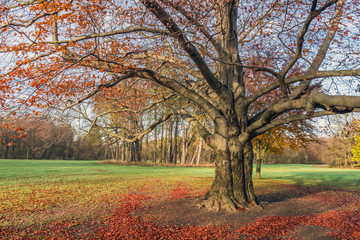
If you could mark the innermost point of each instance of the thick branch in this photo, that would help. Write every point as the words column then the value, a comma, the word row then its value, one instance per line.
column 112, row 33
column 305, row 77
column 189, row 48
column 287, row 120
column 177, row 87
column 142, row 73
column 330, row 103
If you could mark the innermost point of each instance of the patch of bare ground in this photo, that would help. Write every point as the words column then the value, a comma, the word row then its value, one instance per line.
column 296, row 202
column 185, row 211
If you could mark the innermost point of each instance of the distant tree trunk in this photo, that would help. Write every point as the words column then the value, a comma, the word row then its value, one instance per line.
column 170, row 142
column 13, row 150
column 123, row 154
column 105, row 152
column 258, row 167
column 155, row 137
column 128, row 152
column 155, row 145
column 199, row 152
column 112, row 153
column 166, row 139
column 186, row 140
column 185, row 148
column 175, row 140
column 134, row 152
column 137, row 149
column 117, row 150
column 6, row 153
column 146, row 148
column 77, row 150
column 162, row 142
column 194, row 156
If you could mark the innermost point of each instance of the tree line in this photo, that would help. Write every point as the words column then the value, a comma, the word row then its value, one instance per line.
column 174, row 142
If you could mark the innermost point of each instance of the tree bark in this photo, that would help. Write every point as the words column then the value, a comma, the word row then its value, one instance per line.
column 175, row 150
column 155, row 138
column 232, row 188
column 123, row 154
column 199, row 152
column 185, row 145
column 258, row 168
column 169, row 140
column 162, row 142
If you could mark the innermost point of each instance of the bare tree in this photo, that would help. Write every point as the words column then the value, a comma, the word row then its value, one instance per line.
column 200, row 51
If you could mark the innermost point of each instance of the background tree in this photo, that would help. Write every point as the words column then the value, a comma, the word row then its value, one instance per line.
column 356, row 148
column 42, row 139
column 337, row 148
column 292, row 136
column 65, row 53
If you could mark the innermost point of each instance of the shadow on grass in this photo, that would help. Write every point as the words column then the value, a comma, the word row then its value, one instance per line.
column 297, row 191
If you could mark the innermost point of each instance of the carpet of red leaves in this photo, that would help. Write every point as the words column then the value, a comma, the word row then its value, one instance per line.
column 122, row 224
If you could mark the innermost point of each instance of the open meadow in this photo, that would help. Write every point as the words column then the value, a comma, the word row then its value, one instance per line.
column 89, row 200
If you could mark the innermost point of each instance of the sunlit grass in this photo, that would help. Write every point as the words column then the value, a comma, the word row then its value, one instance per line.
column 29, row 187
column 313, row 175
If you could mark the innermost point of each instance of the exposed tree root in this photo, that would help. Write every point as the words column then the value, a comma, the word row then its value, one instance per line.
column 228, row 205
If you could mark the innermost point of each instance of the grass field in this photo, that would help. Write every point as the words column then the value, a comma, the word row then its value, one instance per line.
column 80, row 199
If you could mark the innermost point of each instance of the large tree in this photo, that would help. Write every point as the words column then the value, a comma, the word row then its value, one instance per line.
column 65, row 52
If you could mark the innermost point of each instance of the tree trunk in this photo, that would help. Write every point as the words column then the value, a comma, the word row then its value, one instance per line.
column 258, row 168
column 146, row 148
column 194, row 156
column 162, row 143
column 175, row 150
column 134, row 152
column 123, row 153
column 232, row 188
column 137, row 151
column 117, row 144
column 199, row 152
column 185, row 145
column 155, row 138
column 155, row 146
column 169, row 153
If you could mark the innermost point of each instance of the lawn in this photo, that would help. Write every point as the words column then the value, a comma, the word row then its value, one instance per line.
column 89, row 200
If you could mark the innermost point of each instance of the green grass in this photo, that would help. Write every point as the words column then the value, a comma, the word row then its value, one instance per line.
column 313, row 175
column 45, row 191
column 41, row 171
column 28, row 186
column 34, row 171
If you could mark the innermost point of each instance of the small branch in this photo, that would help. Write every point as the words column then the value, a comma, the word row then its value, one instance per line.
column 100, row 87
column 321, row 54
column 112, row 33
column 200, row 129
column 201, row 27
column 300, row 42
